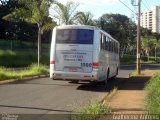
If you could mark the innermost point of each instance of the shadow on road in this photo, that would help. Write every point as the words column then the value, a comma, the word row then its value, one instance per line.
column 112, row 83
column 132, row 83
column 44, row 84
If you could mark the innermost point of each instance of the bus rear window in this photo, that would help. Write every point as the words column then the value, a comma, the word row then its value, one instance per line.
column 74, row 36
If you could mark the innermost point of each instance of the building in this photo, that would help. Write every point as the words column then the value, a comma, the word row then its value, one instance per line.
column 151, row 19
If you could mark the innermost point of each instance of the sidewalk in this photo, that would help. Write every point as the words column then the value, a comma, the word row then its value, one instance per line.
column 130, row 95
column 128, row 102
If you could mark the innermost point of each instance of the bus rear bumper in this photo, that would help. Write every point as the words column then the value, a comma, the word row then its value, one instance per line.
column 74, row 76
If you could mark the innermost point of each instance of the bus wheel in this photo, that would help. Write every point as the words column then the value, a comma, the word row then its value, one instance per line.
column 106, row 80
column 105, row 84
column 117, row 71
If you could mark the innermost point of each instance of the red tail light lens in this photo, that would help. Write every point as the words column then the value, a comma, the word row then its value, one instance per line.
column 52, row 62
column 95, row 64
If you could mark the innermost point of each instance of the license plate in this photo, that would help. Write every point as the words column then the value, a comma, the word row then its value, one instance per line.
column 72, row 69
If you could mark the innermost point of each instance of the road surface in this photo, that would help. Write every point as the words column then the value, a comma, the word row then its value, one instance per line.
column 45, row 96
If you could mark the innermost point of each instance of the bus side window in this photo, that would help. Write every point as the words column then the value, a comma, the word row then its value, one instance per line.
column 107, row 43
column 111, row 46
column 116, row 48
column 101, row 41
column 104, row 42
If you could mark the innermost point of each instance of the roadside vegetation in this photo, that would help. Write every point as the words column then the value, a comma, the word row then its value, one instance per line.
column 91, row 112
column 33, row 70
column 152, row 89
column 152, row 99
column 10, row 58
column 145, row 72
column 131, row 59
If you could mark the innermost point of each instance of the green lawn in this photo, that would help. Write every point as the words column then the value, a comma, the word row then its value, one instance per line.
column 6, row 74
column 20, row 58
column 14, row 53
column 130, row 59
column 93, row 111
column 152, row 100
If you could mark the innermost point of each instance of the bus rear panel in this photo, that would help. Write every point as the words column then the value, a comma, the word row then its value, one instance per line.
column 72, row 53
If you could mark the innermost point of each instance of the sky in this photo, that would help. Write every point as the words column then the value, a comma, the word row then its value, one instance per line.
column 100, row 7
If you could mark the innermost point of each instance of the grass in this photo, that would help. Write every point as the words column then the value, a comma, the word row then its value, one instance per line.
column 33, row 70
column 20, row 58
column 131, row 59
column 91, row 112
column 134, row 73
column 20, row 45
column 152, row 100
column 145, row 72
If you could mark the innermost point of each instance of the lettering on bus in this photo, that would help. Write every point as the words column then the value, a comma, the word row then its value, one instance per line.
column 86, row 64
column 73, row 56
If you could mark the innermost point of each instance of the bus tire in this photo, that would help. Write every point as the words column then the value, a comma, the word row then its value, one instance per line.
column 106, row 80
column 117, row 71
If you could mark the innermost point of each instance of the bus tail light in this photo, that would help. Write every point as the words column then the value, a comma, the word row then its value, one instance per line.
column 52, row 62
column 95, row 65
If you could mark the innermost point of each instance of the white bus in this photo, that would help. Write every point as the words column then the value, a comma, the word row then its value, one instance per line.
column 83, row 53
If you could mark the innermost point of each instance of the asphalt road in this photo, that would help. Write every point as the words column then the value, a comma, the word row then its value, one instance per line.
column 46, row 96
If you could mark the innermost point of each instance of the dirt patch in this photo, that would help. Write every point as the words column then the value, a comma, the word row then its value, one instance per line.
column 150, row 72
column 129, row 98
column 126, row 101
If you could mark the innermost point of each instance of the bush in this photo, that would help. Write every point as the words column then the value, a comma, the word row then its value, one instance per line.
column 91, row 112
column 33, row 70
column 20, row 58
column 152, row 100
column 131, row 59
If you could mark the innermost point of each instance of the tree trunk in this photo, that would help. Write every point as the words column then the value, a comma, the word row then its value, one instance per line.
column 39, row 44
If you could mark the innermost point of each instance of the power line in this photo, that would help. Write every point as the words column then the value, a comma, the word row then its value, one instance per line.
column 128, row 7
column 145, row 5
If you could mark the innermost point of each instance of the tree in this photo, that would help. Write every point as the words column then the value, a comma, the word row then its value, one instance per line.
column 156, row 36
column 119, row 26
column 65, row 13
column 148, row 45
column 84, row 18
column 36, row 12
column 3, row 2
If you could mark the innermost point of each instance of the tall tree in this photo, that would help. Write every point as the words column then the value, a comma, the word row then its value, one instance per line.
column 65, row 13
column 118, row 26
column 34, row 11
column 84, row 18
column 3, row 2
column 148, row 46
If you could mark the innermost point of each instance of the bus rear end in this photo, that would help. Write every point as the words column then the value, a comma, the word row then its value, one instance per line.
column 72, row 53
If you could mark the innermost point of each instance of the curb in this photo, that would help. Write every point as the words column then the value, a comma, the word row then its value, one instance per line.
column 24, row 78
column 109, row 96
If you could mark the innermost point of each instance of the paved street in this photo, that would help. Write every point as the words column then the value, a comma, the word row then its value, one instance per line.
column 45, row 96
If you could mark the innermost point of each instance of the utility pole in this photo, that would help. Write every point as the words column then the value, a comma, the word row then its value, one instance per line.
column 138, row 36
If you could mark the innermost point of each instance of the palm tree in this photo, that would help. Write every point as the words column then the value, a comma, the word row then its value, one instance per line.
column 84, row 18
column 65, row 13
column 36, row 12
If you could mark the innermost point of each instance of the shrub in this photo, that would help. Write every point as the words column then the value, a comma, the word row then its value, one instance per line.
column 92, row 111
column 32, row 71
column 152, row 100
